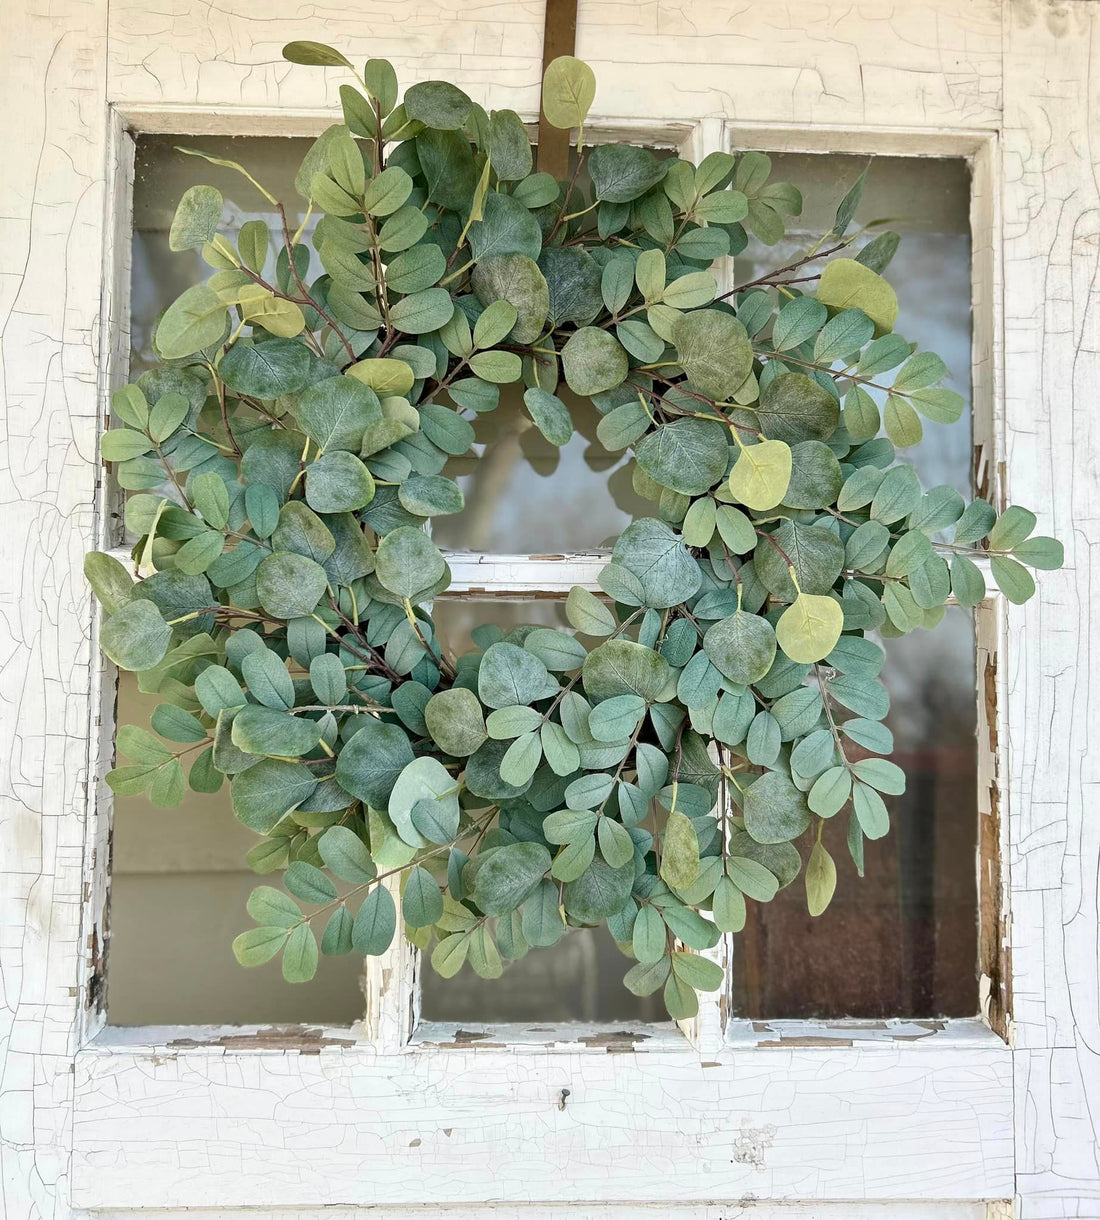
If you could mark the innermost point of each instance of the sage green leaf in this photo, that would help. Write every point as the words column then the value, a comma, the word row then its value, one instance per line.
column 593, row 361
column 375, row 924
column 820, row 880
column 680, row 855
column 196, row 220
column 589, row 791
column 290, row 585
column 976, row 521
column 315, row 54
column 809, row 628
column 509, row 875
column 623, row 426
column 515, row 278
column 196, row 319
column 266, row 731
column 431, row 496
column 793, row 407
column 455, row 721
column 336, row 938
column 698, row 973
column 268, row 680
column 346, row 855
column 798, row 321
column 690, row 291
column 815, row 553
column 510, row 675
column 506, row 227
column 135, row 637
column 407, row 562
column 714, row 351
column 447, row 163
column 622, row 667
column 621, row 173
column 761, row 475
column 113, row 585
column 557, row 650
column 573, row 280
column 307, row 882
column 844, row 334
column 334, row 413
column 1013, row 580
column 416, row 269
column 495, row 324
column 449, row 955
column 568, row 90
column 550, row 414
column 1047, row 554
column 688, row 455
column 509, row 148
column 871, row 812
column 258, row 945
column 775, row 811
column 403, row 229
column 649, row 938
column 847, row 284
column 371, row 761
column 422, row 311
column 830, row 792
column 521, row 758
column 388, row 192
column 657, row 557
column 587, row 613
column 741, row 647
column 338, row 482
column 615, row 719
column 816, row 477
column 599, row 892
column 265, row 370
column 438, row 104
column 268, row 791
column 422, row 901
column 647, row 977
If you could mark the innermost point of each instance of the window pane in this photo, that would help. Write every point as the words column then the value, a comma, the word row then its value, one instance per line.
column 526, row 496
column 901, row 941
column 161, row 175
column 179, row 884
column 927, row 201
column 581, row 977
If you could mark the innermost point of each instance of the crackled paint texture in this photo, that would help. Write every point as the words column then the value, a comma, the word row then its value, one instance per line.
column 911, row 1123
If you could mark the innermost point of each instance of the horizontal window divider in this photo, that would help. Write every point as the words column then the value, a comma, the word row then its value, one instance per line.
column 477, row 576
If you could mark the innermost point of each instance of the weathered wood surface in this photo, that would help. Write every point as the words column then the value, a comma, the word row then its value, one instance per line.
column 155, row 1127
column 1052, row 669
column 208, row 1127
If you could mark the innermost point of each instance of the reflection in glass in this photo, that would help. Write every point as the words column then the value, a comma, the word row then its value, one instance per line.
column 903, row 939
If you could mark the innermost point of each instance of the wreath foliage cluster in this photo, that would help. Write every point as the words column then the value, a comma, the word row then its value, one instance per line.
column 680, row 753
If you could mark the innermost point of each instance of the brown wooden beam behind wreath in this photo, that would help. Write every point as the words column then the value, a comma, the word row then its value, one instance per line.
column 559, row 38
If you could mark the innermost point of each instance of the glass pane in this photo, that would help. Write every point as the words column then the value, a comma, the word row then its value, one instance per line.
column 526, row 496
column 161, row 175
column 581, row 977
column 927, row 201
column 179, row 885
column 901, row 941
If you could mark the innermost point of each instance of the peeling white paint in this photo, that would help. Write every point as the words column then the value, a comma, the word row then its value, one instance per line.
column 765, row 1121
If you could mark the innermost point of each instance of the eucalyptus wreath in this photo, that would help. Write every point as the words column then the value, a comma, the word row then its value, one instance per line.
column 680, row 753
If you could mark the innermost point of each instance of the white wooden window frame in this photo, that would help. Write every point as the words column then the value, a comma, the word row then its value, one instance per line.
column 852, row 1119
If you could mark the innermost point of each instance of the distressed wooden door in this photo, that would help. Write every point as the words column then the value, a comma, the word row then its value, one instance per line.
column 966, row 1118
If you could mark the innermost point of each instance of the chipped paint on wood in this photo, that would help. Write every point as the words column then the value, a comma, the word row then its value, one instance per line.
column 1013, row 87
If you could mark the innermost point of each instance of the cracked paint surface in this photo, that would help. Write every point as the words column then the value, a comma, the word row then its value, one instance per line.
column 775, row 1115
